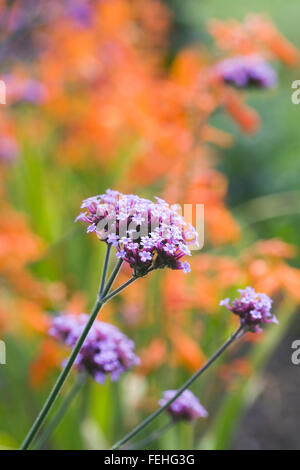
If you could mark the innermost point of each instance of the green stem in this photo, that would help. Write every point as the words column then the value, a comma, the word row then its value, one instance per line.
column 65, row 372
column 238, row 333
column 61, row 379
column 152, row 437
column 101, row 296
column 106, row 262
column 60, row 412
column 119, row 289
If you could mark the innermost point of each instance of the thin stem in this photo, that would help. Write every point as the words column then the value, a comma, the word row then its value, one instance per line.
column 119, row 289
column 65, row 372
column 152, row 437
column 238, row 333
column 110, row 281
column 105, row 266
column 61, row 379
column 60, row 412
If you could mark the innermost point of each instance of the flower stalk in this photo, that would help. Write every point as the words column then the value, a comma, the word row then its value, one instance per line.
column 105, row 267
column 61, row 411
column 65, row 372
column 238, row 334
column 153, row 436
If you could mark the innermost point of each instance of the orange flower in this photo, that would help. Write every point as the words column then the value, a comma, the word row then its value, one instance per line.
column 290, row 279
column 232, row 36
column 33, row 318
column 186, row 350
column 245, row 117
column 237, row 368
column 216, row 136
column 48, row 359
column 222, row 227
column 256, row 34
column 268, row 272
column 18, row 245
column 263, row 30
column 176, row 292
column 275, row 248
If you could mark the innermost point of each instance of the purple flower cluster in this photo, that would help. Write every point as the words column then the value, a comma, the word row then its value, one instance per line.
column 243, row 71
column 106, row 349
column 146, row 235
column 253, row 308
column 186, row 406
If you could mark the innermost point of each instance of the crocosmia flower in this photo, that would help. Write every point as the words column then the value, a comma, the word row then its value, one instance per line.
column 186, row 406
column 106, row 350
column 147, row 235
column 253, row 308
column 243, row 71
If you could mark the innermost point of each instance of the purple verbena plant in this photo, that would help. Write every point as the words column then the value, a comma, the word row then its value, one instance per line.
column 148, row 236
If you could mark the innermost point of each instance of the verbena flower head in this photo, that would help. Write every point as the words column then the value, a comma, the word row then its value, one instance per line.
column 185, row 407
column 243, row 71
column 147, row 235
column 253, row 308
column 106, row 350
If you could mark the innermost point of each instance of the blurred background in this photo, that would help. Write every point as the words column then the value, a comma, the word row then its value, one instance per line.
column 125, row 95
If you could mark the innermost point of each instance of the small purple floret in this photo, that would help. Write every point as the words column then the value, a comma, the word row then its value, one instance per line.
column 186, row 406
column 106, row 349
column 253, row 308
column 243, row 71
